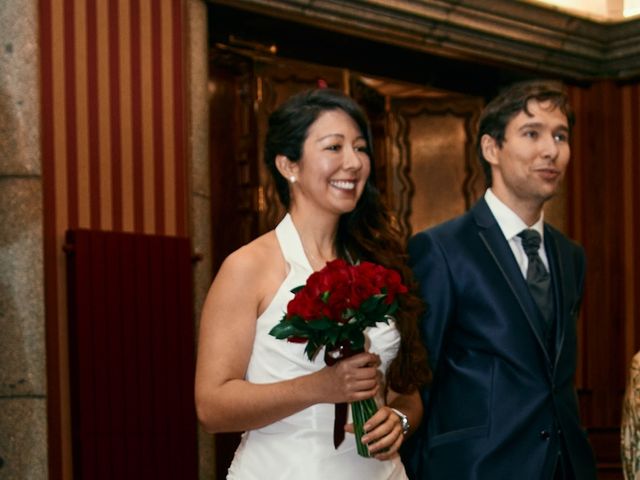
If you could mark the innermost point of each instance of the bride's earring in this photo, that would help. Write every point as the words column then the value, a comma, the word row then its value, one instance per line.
column 292, row 179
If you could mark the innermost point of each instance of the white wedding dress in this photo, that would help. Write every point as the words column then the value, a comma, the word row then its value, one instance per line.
column 301, row 446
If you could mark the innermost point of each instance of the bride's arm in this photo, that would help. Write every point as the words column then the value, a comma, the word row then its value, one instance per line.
column 225, row 401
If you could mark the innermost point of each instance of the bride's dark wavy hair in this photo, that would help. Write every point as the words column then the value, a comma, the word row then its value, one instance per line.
column 369, row 232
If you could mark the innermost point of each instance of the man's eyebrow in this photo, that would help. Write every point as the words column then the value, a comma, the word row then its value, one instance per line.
column 540, row 124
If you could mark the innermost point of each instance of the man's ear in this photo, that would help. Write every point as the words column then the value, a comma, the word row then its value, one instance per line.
column 489, row 149
column 286, row 167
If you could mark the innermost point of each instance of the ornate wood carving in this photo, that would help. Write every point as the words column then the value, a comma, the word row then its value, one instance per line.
column 418, row 126
column 515, row 33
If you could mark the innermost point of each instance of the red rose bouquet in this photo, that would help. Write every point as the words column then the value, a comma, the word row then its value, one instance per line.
column 332, row 310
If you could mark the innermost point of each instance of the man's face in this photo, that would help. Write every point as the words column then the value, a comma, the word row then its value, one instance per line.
column 529, row 166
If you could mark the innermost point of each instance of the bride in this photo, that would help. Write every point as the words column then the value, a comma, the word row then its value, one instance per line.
column 318, row 148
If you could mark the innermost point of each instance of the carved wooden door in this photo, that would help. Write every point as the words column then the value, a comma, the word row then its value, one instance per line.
column 245, row 89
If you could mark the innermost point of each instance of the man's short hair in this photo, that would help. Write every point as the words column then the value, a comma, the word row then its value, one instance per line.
column 513, row 100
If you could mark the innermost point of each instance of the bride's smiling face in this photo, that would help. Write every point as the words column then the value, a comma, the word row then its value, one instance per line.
column 335, row 165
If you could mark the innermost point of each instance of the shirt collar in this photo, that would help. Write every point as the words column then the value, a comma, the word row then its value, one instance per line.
column 510, row 223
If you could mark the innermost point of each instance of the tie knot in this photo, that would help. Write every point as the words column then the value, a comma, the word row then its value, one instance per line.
column 531, row 240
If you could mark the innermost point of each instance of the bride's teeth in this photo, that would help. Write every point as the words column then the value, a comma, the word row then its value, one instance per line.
column 344, row 184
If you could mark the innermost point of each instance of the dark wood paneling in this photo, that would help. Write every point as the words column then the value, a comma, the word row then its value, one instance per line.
column 234, row 177
column 602, row 193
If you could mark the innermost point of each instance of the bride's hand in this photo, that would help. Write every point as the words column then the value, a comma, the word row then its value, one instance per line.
column 352, row 379
column 383, row 434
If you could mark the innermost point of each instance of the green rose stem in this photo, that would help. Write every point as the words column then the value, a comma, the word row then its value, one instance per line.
column 362, row 411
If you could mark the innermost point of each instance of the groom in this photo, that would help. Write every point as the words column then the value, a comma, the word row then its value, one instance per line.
column 503, row 291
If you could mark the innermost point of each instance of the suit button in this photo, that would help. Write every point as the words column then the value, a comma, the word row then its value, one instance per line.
column 559, row 432
column 544, row 435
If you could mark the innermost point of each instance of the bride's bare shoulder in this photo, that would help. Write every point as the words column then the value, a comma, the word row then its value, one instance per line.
column 255, row 260
column 249, row 277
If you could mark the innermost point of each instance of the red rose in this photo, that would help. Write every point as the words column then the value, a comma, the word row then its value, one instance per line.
column 375, row 273
column 362, row 287
column 307, row 306
column 393, row 285
column 330, row 305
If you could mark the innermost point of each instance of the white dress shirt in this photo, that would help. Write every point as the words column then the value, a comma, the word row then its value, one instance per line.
column 511, row 225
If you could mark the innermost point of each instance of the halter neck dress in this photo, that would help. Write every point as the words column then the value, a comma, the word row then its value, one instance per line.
column 301, row 446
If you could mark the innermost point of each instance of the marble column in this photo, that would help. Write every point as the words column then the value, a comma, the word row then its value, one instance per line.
column 23, row 412
column 200, row 184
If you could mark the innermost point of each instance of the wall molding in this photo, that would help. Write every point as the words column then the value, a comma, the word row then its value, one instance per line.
column 511, row 33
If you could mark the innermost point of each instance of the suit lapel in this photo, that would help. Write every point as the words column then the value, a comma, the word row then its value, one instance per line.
column 558, row 271
column 493, row 238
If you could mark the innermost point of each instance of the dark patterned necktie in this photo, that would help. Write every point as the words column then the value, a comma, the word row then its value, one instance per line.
column 538, row 278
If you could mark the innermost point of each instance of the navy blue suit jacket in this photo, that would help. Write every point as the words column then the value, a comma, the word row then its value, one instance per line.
column 500, row 402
